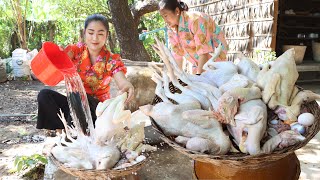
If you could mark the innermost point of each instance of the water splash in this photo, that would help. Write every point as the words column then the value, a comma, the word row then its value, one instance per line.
column 78, row 104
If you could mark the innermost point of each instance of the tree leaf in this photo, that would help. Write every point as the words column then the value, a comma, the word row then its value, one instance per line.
column 19, row 166
column 18, row 158
column 30, row 162
column 43, row 160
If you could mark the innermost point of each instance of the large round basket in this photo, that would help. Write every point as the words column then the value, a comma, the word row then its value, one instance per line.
column 241, row 160
column 97, row 174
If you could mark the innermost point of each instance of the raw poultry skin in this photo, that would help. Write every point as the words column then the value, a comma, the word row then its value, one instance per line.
column 186, row 118
column 248, row 68
column 169, row 118
column 82, row 153
column 282, row 140
column 293, row 111
column 195, row 125
column 101, row 151
column 201, row 145
column 252, row 118
column 219, row 72
column 278, row 82
column 173, row 72
column 110, row 121
column 231, row 100
column 279, row 90
column 237, row 80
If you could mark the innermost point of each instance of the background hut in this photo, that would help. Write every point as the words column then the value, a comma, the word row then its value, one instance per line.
column 249, row 25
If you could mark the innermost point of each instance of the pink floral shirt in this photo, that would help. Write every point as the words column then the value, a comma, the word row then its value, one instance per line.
column 197, row 35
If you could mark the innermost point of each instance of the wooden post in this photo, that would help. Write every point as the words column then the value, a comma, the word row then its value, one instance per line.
column 274, row 26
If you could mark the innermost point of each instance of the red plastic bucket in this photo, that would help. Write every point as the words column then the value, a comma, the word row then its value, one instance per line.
column 50, row 64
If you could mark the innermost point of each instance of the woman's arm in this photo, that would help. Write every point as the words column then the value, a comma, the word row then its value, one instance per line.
column 179, row 61
column 202, row 60
column 124, row 85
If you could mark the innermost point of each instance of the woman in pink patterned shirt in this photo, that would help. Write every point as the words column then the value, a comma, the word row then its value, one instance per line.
column 192, row 35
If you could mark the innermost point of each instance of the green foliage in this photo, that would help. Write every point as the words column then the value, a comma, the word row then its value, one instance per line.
column 7, row 26
column 24, row 162
column 261, row 57
column 152, row 21
column 5, row 31
column 66, row 34
column 67, row 18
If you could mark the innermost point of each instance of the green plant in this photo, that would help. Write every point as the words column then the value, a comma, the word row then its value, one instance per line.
column 23, row 131
column 24, row 162
column 152, row 21
column 261, row 57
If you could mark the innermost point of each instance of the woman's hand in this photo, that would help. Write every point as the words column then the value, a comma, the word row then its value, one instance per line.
column 124, row 85
column 128, row 87
column 61, row 48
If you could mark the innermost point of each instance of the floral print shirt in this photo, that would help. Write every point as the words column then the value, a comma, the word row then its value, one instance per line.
column 197, row 35
column 96, row 78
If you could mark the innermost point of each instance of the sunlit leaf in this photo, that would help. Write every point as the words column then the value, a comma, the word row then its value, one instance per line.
column 19, row 166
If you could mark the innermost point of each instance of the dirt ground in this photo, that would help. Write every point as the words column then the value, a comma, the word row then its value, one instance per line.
column 18, row 136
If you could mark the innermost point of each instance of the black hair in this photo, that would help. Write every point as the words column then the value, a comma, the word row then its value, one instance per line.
column 172, row 5
column 96, row 17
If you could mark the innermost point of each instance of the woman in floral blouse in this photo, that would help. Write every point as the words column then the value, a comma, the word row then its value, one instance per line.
column 192, row 35
column 96, row 66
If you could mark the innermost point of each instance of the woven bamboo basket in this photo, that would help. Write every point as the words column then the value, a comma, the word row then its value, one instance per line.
column 241, row 160
column 97, row 174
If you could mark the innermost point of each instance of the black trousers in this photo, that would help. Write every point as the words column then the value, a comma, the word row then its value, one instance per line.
column 49, row 103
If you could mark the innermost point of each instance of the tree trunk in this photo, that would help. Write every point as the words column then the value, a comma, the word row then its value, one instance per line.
column 52, row 28
column 143, row 7
column 113, row 39
column 110, row 42
column 131, row 47
column 14, row 41
column 21, row 22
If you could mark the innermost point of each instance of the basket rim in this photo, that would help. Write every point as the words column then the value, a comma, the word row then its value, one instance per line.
column 107, row 172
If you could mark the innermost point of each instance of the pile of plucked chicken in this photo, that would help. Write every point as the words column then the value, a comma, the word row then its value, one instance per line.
column 115, row 142
column 260, row 109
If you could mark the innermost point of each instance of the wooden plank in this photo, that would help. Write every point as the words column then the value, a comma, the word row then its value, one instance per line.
column 300, row 27
column 304, row 67
column 16, row 115
column 308, row 80
column 275, row 23
column 298, row 16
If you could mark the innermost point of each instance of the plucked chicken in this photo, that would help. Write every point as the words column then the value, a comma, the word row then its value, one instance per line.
column 105, row 147
column 235, row 95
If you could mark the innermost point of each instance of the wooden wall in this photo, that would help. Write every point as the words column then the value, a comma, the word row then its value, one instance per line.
column 249, row 25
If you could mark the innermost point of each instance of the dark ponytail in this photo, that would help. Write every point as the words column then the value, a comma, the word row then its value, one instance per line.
column 96, row 17
column 172, row 5
column 183, row 6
